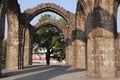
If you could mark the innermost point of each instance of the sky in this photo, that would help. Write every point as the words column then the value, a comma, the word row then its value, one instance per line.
column 71, row 6
column 118, row 19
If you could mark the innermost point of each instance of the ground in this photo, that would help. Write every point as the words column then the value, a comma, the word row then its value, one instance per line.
column 51, row 72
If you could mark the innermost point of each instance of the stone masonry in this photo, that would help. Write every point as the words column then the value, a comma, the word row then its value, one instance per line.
column 100, row 33
column 2, row 27
column 91, row 36
column 54, row 23
column 68, row 16
column 13, row 35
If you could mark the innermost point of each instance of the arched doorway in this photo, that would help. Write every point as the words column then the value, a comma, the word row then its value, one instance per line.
column 31, row 13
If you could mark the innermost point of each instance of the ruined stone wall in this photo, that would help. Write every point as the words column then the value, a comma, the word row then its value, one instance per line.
column 118, row 49
column 2, row 27
column 100, row 27
column 70, row 41
column 68, row 16
column 95, row 21
column 101, row 30
column 13, row 12
column 26, row 47
column 80, row 39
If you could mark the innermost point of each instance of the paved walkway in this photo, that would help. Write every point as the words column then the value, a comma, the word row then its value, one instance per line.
column 52, row 72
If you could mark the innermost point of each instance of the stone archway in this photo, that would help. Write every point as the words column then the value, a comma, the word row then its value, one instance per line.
column 31, row 13
column 54, row 23
column 29, row 35
column 100, row 28
column 94, row 25
column 68, row 16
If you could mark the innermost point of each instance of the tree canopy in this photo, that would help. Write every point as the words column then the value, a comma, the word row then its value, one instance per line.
column 50, row 35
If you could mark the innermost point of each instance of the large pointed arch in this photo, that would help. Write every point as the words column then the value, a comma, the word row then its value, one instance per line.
column 31, row 13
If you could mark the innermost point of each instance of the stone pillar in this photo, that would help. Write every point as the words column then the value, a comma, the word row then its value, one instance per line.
column 2, row 27
column 101, row 57
column 118, row 48
column 68, row 52
column 101, row 41
column 27, row 48
column 72, row 35
column 80, row 42
column 13, row 35
column 69, row 48
column 70, row 40
column 30, row 50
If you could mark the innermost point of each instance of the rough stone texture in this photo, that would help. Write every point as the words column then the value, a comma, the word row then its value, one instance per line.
column 22, row 32
column 54, row 23
column 2, row 26
column 118, row 49
column 27, row 48
column 68, row 16
column 100, row 29
column 80, row 40
column 48, row 7
column 91, row 32
column 13, row 35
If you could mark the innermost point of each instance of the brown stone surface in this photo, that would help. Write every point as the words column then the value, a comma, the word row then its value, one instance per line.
column 90, row 39
column 118, row 49
column 13, row 36
column 54, row 23
column 101, row 33
column 2, row 26
column 26, row 48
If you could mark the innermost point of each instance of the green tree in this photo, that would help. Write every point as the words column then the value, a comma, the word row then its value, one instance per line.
column 46, row 17
column 50, row 35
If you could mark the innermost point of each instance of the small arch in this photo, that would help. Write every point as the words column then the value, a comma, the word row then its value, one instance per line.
column 54, row 23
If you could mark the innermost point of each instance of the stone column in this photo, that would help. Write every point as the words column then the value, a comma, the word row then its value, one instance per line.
column 70, row 40
column 2, row 27
column 30, row 50
column 13, row 35
column 118, row 48
column 101, row 41
column 72, row 35
column 69, row 48
column 27, row 48
column 80, row 41
column 68, row 52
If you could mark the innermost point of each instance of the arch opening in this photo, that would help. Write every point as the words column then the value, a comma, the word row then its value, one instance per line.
column 49, row 36
column 31, row 13
column 53, row 16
